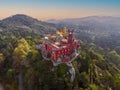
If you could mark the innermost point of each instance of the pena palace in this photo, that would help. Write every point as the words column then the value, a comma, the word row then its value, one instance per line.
column 61, row 47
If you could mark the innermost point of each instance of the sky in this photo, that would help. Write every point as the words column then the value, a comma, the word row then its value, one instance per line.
column 59, row 9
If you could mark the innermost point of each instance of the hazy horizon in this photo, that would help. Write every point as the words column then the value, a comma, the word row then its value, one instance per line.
column 59, row 9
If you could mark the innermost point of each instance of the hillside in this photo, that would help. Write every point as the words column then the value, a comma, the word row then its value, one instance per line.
column 21, row 64
column 22, row 25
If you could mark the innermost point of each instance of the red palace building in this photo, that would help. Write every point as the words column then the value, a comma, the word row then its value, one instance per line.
column 60, row 50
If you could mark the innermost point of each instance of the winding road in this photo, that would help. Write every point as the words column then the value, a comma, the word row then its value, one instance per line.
column 71, row 71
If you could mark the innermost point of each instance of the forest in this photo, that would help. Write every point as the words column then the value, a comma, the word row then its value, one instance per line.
column 22, row 67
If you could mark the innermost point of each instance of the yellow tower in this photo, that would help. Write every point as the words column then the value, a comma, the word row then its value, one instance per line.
column 64, row 33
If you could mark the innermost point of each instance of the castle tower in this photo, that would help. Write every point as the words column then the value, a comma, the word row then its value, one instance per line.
column 70, row 36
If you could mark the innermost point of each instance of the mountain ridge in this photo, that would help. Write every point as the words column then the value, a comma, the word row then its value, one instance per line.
column 21, row 22
column 82, row 18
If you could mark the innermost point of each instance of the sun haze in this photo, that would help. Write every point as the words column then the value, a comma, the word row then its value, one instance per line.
column 59, row 9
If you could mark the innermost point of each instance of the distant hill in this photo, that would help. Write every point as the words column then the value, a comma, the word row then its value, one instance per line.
column 93, row 23
column 25, row 25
